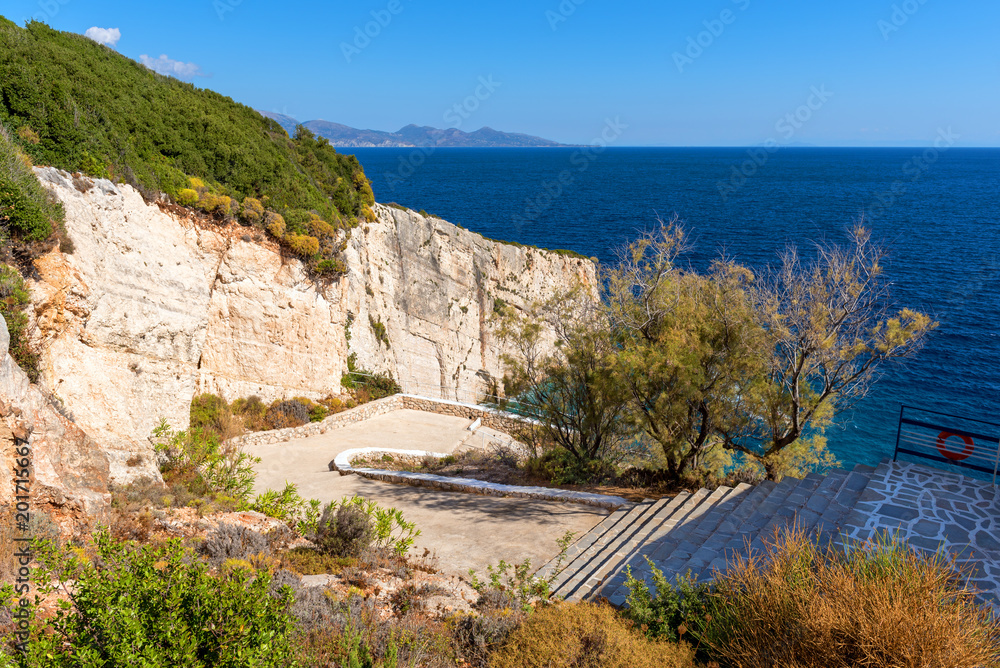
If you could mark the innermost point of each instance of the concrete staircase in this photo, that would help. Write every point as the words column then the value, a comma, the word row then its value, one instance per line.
column 697, row 532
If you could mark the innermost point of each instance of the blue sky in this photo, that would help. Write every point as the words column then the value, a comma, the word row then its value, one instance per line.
column 697, row 73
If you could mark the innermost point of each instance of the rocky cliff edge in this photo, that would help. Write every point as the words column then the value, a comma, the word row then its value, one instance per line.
column 155, row 306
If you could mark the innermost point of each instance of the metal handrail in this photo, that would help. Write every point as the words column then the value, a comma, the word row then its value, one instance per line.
column 909, row 438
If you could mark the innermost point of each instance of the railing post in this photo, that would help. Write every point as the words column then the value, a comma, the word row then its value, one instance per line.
column 996, row 466
column 899, row 431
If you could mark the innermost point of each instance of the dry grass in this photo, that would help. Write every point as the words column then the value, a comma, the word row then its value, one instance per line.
column 881, row 605
column 585, row 635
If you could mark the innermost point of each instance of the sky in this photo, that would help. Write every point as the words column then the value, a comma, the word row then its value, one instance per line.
column 695, row 73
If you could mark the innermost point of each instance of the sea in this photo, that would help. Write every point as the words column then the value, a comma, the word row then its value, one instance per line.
column 936, row 210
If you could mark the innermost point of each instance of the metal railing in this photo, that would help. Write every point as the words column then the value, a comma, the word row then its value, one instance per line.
column 949, row 439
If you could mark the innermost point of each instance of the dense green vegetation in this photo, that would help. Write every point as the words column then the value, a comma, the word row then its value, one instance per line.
column 80, row 106
column 692, row 374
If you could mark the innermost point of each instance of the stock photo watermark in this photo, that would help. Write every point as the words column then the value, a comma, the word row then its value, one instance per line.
column 913, row 170
column 223, row 7
column 454, row 116
column 901, row 14
column 786, row 126
column 363, row 35
column 20, row 606
column 580, row 161
column 49, row 9
column 562, row 13
column 697, row 44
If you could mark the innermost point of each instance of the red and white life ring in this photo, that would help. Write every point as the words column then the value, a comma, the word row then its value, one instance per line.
column 970, row 446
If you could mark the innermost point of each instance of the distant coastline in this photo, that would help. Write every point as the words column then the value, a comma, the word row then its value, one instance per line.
column 343, row 136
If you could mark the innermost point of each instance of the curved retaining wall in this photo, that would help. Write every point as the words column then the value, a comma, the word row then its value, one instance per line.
column 494, row 419
column 342, row 464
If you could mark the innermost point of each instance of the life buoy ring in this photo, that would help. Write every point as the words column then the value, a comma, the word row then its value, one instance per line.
column 970, row 446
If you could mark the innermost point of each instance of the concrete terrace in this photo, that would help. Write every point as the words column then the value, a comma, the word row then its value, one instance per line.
column 464, row 530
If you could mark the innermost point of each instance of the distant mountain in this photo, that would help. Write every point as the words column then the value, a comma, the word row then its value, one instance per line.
column 412, row 135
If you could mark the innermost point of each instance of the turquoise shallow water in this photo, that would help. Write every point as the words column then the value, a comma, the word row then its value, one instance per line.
column 938, row 213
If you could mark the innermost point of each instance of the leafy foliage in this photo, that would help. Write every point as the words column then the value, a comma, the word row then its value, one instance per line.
column 386, row 528
column 343, row 531
column 87, row 108
column 571, row 387
column 674, row 611
column 225, row 468
column 155, row 606
column 28, row 213
column 14, row 298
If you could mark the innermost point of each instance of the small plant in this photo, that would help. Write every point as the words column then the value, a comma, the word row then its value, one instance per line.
column 233, row 541
column 381, row 335
column 389, row 531
column 290, row 413
column 224, row 469
column 674, row 611
column 343, row 531
column 514, row 580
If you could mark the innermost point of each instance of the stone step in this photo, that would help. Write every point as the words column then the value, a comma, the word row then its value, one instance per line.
column 723, row 546
column 605, row 546
column 670, row 545
column 712, row 510
column 617, row 555
column 585, row 541
column 688, row 505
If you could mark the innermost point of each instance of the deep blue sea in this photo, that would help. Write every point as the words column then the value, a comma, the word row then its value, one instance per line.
column 938, row 213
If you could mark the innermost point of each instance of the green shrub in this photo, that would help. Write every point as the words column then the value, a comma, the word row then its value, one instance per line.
column 28, row 212
column 302, row 244
column 252, row 211
column 204, row 463
column 560, row 467
column 208, row 411
column 376, row 385
column 331, row 267
column 343, row 531
column 14, row 298
column 675, row 610
column 274, row 223
column 156, row 606
column 585, row 635
column 187, row 197
column 389, row 531
column 379, row 330
column 289, row 506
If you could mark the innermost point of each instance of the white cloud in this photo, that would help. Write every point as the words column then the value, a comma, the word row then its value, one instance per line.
column 171, row 67
column 108, row 36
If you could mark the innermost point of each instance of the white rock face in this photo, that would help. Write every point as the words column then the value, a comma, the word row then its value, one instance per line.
column 68, row 470
column 152, row 308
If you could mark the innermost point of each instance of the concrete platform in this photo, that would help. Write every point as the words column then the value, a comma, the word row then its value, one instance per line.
column 464, row 530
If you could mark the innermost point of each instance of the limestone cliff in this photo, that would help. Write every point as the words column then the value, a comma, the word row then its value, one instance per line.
column 154, row 306
column 69, row 471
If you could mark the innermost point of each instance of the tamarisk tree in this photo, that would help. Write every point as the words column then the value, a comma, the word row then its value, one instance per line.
column 829, row 327
column 561, row 369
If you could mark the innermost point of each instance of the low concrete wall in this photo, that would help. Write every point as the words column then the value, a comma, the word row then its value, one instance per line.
column 491, row 418
column 342, row 464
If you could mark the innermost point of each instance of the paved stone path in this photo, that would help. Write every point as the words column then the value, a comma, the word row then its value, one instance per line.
column 934, row 510
column 698, row 532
